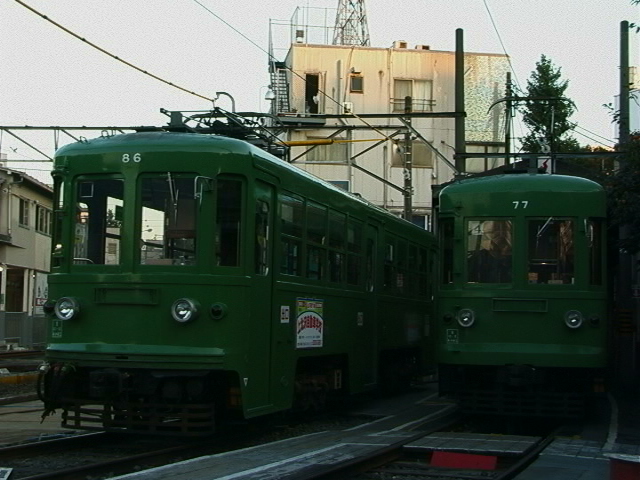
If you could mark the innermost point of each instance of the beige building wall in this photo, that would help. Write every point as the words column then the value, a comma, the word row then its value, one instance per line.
column 367, row 80
column 25, row 239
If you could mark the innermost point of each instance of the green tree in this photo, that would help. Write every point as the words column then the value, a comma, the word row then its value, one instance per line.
column 623, row 191
column 546, row 112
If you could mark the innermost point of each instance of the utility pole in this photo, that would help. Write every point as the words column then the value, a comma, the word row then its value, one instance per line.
column 624, row 134
column 460, row 142
column 408, row 162
column 507, row 123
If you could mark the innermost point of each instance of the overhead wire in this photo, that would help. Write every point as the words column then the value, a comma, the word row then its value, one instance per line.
column 293, row 72
column 115, row 57
column 517, row 86
column 156, row 77
column 504, row 49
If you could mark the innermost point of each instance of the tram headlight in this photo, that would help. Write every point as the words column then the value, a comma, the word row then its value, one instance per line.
column 66, row 308
column 573, row 319
column 184, row 310
column 466, row 317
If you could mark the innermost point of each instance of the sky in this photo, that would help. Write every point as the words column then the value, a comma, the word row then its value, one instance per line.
column 50, row 78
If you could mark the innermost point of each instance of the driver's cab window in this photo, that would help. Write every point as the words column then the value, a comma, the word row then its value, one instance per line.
column 551, row 251
column 168, row 208
column 98, row 221
column 489, row 250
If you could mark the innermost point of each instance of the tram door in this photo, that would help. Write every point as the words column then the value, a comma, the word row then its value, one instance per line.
column 259, row 338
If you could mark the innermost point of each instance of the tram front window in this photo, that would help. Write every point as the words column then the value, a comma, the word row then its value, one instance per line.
column 99, row 204
column 168, row 220
column 551, row 256
column 489, row 251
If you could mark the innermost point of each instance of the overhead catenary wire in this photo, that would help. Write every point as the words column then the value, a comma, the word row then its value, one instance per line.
column 272, row 58
column 504, row 49
column 156, row 77
column 115, row 57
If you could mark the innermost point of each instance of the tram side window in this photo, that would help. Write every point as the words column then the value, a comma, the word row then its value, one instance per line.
column 413, row 267
column 337, row 226
column 58, row 218
column 168, row 220
column 594, row 242
column 446, row 240
column 389, row 273
column 424, row 268
column 228, row 221
column 262, row 238
column 292, row 222
column 316, row 238
column 98, row 223
column 551, row 252
column 354, row 252
column 401, row 266
column 489, row 251
column 370, row 272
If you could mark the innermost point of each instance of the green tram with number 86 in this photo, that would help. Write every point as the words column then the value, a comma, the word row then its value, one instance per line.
column 197, row 278
column 522, row 304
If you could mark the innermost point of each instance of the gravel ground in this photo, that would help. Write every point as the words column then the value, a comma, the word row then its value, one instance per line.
column 13, row 389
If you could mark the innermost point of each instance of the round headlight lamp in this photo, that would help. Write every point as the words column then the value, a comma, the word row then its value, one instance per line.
column 66, row 308
column 466, row 317
column 573, row 319
column 184, row 310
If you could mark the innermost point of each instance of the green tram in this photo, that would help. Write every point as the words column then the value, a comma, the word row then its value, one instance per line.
column 522, row 302
column 197, row 278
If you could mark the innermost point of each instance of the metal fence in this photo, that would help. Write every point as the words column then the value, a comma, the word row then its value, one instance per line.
column 23, row 330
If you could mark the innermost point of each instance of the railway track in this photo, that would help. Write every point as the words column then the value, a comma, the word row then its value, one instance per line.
column 101, row 454
column 402, row 462
column 414, row 450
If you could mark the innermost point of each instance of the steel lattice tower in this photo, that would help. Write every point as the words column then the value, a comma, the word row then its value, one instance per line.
column 351, row 24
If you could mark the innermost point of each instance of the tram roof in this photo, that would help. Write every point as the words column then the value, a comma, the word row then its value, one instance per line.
column 514, row 182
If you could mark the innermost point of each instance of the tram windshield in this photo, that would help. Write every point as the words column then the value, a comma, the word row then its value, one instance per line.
column 551, row 252
column 489, row 251
column 99, row 204
column 168, row 220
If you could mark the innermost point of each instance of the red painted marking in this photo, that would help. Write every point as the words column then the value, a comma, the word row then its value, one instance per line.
column 622, row 470
column 464, row 460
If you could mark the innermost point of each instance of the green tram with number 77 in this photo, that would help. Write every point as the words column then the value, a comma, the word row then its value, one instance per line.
column 522, row 303
column 198, row 279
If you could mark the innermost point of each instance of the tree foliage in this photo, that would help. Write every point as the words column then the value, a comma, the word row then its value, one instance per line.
column 547, row 111
column 623, row 191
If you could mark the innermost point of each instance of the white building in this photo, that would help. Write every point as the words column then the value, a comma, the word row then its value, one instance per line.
column 25, row 249
column 317, row 81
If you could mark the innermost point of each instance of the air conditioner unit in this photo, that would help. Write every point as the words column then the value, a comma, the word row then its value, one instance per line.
column 399, row 44
column 347, row 107
column 423, row 47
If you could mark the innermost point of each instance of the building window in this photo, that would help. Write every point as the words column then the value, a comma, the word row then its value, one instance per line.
column 420, row 91
column 43, row 220
column 341, row 184
column 312, row 93
column 421, row 156
column 24, row 213
column 337, row 152
column 356, row 84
